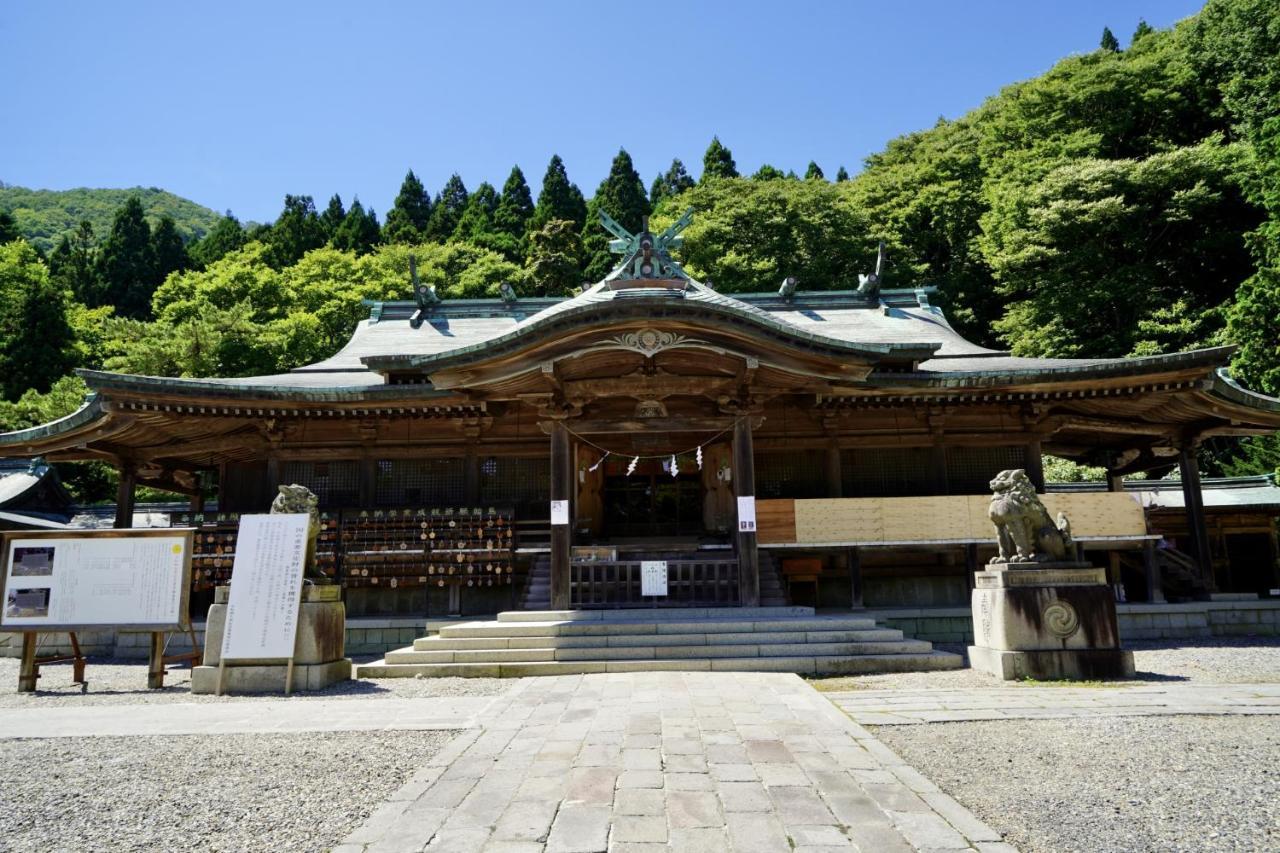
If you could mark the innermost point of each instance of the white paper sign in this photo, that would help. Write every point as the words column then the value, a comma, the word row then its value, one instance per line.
column 559, row 512
column 266, row 587
column 747, row 514
column 84, row 580
column 653, row 577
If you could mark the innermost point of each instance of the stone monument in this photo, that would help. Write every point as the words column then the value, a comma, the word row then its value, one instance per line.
column 1038, row 611
column 319, row 654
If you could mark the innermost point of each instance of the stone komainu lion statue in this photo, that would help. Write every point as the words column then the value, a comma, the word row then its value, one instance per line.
column 1023, row 527
column 300, row 499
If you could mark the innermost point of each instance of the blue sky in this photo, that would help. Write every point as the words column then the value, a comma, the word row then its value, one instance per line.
column 234, row 104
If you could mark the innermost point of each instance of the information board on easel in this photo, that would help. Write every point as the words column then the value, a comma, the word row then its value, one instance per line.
column 266, row 592
column 64, row 581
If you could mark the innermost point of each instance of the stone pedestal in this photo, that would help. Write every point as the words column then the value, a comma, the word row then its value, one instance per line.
column 320, row 652
column 1047, row 621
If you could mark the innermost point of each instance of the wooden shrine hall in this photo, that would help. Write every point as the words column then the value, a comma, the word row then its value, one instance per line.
column 477, row 454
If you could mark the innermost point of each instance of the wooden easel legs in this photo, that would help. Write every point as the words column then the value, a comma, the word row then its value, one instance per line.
column 29, row 668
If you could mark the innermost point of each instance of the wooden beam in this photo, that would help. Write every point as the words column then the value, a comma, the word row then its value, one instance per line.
column 652, row 425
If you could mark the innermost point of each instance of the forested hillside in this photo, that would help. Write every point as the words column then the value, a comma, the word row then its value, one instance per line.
column 45, row 216
column 1125, row 202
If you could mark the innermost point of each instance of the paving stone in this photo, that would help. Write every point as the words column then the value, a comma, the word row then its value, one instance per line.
column 641, row 759
column 726, row 754
column 636, row 828
column 733, row 773
column 526, row 821
column 592, row 785
column 699, row 840
column 800, row 806
column 928, row 830
column 743, row 797
column 638, row 801
column 579, row 828
column 640, row 779
column 500, row 846
column 686, row 809
column 819, row 836
column 685, row 763
column 458, row 841
column 898, row 798
column 768, row 752
column 687, row 781
column 756, row 833
column 681, row 746
column 781, row 774
column 960, row 817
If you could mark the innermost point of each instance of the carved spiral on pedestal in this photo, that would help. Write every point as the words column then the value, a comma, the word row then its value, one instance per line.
column 1061, row 619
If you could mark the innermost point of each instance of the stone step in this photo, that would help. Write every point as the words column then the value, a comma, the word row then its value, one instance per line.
column 439, row 643
column 565, row 629
column 803, row 664
column 899, row 647
column 651, row 614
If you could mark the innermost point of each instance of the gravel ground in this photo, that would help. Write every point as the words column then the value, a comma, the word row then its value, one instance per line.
column 1109, row 784
column 223, row 793
column 120, row 682
column 1212, row 660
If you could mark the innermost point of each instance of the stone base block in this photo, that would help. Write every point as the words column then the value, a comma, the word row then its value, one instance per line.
column 269, row 678
column 1071, row 664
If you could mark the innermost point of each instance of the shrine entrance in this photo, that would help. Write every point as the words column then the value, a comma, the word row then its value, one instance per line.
column 653, row 504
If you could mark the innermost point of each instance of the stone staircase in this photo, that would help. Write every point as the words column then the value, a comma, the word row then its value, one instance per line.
column 772, row 639
column 536, row 594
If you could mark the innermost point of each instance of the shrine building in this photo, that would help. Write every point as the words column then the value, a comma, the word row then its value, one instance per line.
column 830, row 447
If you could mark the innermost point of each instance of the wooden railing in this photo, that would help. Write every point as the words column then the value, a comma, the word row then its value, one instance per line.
column 690, row 583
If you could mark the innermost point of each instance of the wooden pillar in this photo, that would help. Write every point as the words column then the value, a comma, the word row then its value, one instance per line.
column 744, row 486
column 971, row 566
column 1155, row 589
column 835, row 475
column 854, row 558
column 27, row 671
column 1115, row 482
column 1273, row 551
column 561, row 534
column 155, row 668
column 1034, row 463
column 1189, row 467
column 124, row 495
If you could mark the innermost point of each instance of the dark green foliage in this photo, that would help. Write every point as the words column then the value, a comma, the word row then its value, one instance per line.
column 670, row 184
column 8, row 228
column 555, row 258
column 127, row 263
column 717, row 162
column 168, row 249
column 768, row 173
column 814, row 173
column 1109, row 41
column 841, row 175
column 332, row 217
column 35, row 337
column 408, row 218
column 622, row 196
column 358, row 232
column 296, row 231
column 447, row 210
column 225, row 237
column 72, row 265
column 45, row 216
column 515, row 208
column 559, row 198
column 1140, row 32
column 476, row 221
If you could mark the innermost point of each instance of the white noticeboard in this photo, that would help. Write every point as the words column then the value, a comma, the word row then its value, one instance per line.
column 85, row 579
column 747, row 514
column 559, row 512
column 653, row 577
column 266, row 587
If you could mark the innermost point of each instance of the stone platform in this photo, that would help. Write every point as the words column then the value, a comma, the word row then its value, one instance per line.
column 771, row 639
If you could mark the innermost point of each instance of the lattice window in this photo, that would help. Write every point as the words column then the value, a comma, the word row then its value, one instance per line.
column 421, row 482
column 336, row 484
column 970, row 469
column 522, row 483
column 886, row 472
column 797, row 474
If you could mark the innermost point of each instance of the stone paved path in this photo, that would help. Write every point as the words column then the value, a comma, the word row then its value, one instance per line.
column 258, row 716
column 634, row 762
column 908, row 707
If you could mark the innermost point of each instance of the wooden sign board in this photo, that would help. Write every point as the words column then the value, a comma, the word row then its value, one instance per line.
column 653, row 578
column 80, row 580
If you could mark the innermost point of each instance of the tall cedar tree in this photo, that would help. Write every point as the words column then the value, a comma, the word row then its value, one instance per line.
column 297, row 231
column 476, row 222
column 332, row 218
column 718, row 162
column 71, row 265
column 35, row 338
column 814, row 172
column 768, row 173
column 224, row 238
column 842, row 175
column 1140, row 32
column 358, row 232
column 622, row 196
column 1109, row 41
column 447, row 210
column 559, row 198
column 515, row 209
column 555, row 258
column 8, row 228
column 670, row 184
column 127, row 263
column 169, row 248
column 408, row 218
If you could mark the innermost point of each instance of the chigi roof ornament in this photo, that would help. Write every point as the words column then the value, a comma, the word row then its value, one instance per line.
column 646, row 255
column 423, row 294
column 869, row 285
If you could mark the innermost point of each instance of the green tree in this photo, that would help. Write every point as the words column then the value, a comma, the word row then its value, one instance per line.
column 555, row 258
column 35, row 338
column 515, row 208
column 768, row 173
column 1140, row 32
column 127, row 263
column 168, row 248
column 332, row 218
column 1109, row 41
column 226, row 236
column 814, row 173
column 72, row 264
column 671, row 183
column 8, row 228
column 622, row 196
column 841, row 175
column 476, row 221
column 447, row 210
column 296, row 231
column 717, row 162
column 559, row 198
column 358, row 232
column 410, row 214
